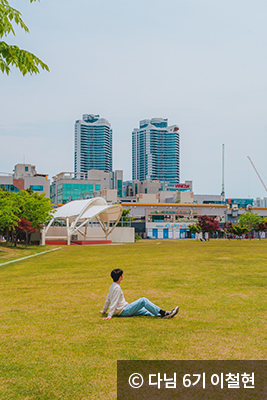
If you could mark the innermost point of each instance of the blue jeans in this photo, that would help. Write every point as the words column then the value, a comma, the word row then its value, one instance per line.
column 141, row 307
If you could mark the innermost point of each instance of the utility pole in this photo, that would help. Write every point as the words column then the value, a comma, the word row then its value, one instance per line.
column 223, row 192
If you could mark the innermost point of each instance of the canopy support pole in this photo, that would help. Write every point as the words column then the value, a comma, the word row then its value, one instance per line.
column 68, row 231
column 102, row 225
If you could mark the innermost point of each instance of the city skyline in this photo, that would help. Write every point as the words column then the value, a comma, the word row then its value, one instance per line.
column 200, row 64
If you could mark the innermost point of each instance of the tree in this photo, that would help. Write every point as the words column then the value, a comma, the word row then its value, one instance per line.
column 228, row 229
column 11, row 55
column 194, row 228
column 26, row 227
column 23, row 212
column 125, row 218
column 9, row 213
column 239, row 230
column 249, row 220
column 262, row 226
column 137, row 237
column 35, row 208
column 208, row 224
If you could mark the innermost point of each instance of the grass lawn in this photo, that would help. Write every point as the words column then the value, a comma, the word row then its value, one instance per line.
column 55, row 345
column 8, row 253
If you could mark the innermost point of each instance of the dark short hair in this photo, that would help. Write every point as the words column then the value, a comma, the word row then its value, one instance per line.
column 116, row 274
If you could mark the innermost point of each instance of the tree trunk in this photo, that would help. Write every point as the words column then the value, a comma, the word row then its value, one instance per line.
column 16, row 238
column 7, row 235
column 13, row 241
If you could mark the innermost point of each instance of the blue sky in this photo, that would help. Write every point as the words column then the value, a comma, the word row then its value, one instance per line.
column 201, row 64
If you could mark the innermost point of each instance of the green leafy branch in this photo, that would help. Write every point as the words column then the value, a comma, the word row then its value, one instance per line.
column 11, row 55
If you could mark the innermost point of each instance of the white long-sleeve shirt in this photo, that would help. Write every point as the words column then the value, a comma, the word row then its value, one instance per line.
column 115, row 300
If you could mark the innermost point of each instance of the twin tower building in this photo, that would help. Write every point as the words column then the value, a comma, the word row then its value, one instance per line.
column 155, row 148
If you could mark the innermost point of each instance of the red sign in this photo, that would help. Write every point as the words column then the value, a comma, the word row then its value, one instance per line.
column 182, row 186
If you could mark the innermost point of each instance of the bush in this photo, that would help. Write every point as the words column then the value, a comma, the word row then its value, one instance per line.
column 137, row 237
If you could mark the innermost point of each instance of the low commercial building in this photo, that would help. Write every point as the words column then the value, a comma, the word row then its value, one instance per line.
column 261, row 211
column 68, row 186
column 209, row 199
column 240, row 203
column 180, row 187
column 110, row 195
column 148, row 187
column 25, row 177
column 147, row 198
column 176, row 197
column 158, row 192
column 133, row 188
column 171, row 220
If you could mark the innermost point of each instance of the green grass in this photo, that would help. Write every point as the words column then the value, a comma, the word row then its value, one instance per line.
column 55, row 345
column 9, row 253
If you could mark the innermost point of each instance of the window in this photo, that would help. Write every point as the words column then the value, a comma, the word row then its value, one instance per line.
column 160, row 218
column 26, row 169
column 9, row 188
column 37, row 188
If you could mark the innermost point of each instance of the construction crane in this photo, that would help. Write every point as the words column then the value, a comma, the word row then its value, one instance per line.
column 257, row 173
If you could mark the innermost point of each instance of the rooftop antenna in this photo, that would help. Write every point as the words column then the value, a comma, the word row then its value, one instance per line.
column 223, row 192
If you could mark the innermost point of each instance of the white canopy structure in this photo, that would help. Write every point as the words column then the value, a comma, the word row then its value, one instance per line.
column 78, row 213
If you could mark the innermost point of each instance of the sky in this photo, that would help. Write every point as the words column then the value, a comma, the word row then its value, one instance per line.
column 200, row 63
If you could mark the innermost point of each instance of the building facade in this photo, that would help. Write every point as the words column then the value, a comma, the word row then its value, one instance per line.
column 209, row 199
column 260, row 202
column 164, row 192
column 92, row 144
column 171, row 220
column 68, row 186
column 25, row 177
column 156, row 151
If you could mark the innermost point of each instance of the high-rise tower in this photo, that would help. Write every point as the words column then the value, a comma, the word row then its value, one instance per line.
column 92, row 144
column 156, row 151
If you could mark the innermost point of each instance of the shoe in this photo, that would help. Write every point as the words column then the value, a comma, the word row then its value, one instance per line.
column 171, row 314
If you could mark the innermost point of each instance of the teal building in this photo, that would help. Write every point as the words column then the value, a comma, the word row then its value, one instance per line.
column 156, row 151
column 68, row 186
column 92, row 144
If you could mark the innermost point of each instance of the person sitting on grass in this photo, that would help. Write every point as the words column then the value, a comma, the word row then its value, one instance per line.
column 118, row 306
